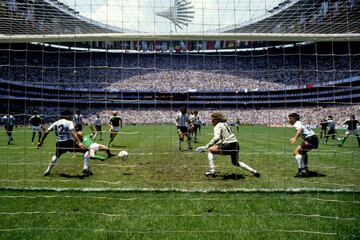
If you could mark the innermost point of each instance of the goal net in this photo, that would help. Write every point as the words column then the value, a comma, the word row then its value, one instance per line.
column 176, row 84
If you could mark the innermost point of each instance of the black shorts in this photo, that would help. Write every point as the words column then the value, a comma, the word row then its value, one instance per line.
column 68, row 146
column 182, row 129
column 197, row 126
column 230, row 148
column 9, row 128
column 78, row 127
column 98, row 128
column 311, row 142
column 332, row 133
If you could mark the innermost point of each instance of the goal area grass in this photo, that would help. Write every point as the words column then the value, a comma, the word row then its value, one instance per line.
column 160, row 192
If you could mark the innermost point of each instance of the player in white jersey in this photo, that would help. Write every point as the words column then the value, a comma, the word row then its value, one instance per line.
column 183, row 127
column 66, row 141
column 332, row 129
column 78, row 121
column 9, row 122
column 97, row 123
column 224, row 142
column 310, row 141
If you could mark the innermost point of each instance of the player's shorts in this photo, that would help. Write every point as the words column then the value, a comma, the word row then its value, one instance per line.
column 332, row 133
column 78, row 127
column 352, row 132
column 98, row 128
column 94, row 146
column 196, row 126
column 9, row 128
column 115, row 129
column 36, row 128
column 309, row 143
column 182, row 129
column 68, row 146
column 229, row 148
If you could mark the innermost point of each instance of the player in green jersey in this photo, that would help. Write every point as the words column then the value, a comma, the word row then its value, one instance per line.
column 94, row 147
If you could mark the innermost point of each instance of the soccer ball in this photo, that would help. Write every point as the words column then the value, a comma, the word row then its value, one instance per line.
column 123, row 155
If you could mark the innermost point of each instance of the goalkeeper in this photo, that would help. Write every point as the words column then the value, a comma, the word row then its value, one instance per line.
column 224, row 142
column 94, row 147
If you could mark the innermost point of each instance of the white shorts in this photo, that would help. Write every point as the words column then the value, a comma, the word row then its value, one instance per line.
column 94, row 146
column 352, row 132
column 36, row 128
column 116, row 129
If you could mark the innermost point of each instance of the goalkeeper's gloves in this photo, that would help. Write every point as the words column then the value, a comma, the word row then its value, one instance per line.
column 201, row 149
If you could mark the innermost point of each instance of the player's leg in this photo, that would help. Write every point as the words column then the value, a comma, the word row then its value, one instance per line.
column 357, row 138
column 233, row 150
column 86, row 158
column 86, row 168
column 344, row 139
column 8, row 133
column 61, row 148
column 33, row 136
column 300, row 162
column 215, row 149
column 107, row 150
column 180, row 131
column 112, row 136
column 326, row 137
column 39, row 135
column 189, row 139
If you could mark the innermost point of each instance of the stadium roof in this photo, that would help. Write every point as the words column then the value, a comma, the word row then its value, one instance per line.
column 290, row 20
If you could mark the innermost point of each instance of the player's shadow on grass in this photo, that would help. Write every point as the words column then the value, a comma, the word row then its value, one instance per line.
column 315, row 174
column 231, row 176
column 65, row 175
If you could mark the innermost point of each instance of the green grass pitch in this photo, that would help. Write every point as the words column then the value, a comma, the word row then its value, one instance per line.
column 160, row 192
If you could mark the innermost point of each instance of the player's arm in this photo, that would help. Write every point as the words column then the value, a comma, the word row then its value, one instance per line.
column 121, row 122
column 215, row 139
column 296, row 136
column 77, row 140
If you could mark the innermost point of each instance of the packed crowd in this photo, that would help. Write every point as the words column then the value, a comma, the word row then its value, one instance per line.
column 176, row 73
column 262, row 116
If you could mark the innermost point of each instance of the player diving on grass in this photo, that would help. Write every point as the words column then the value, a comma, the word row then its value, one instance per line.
column 66, row 141
column 94, row 147
column 224, row 142
column 114, row 124
column 310, row 141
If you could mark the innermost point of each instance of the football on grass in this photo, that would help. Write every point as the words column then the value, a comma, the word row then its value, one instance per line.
column 123, row 155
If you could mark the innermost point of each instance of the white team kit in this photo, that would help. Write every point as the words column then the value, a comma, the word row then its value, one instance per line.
column 62, row 130
column 305, row 130
column 307, row 135
column 182, row 119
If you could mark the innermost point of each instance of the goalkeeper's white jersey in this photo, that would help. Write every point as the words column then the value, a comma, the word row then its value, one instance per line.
column 222, row 134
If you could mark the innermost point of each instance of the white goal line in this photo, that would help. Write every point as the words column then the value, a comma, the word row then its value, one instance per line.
column 182, row 190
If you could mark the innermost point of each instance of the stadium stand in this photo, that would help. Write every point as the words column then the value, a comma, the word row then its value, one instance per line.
column 46, row 17
column 306, row 16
